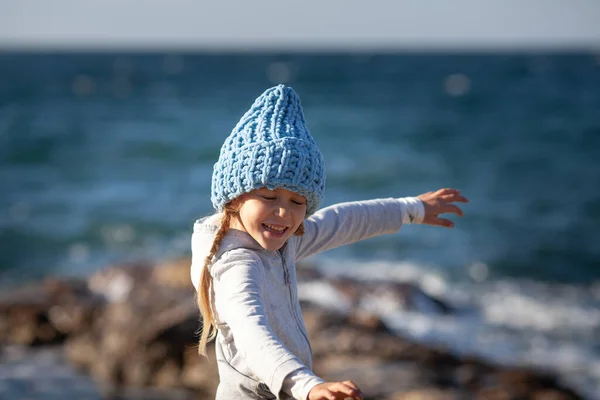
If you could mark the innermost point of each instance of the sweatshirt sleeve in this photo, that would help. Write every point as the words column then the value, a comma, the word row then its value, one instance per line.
column 351, row 222
column 237, row 281
column 299, row 383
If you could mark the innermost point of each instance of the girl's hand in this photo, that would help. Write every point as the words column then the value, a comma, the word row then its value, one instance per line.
column 440, row 202
column 335, row 391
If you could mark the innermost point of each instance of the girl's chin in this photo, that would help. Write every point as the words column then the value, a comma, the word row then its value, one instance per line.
column 273, row 243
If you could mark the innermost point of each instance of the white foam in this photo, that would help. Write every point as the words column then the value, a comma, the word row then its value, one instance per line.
column 430, row 281
column 323, row 294
column 512, row 305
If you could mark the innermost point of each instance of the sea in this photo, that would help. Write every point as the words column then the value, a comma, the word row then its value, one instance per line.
column 106, row 158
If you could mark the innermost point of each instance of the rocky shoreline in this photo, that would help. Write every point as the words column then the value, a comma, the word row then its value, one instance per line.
column 134, row 327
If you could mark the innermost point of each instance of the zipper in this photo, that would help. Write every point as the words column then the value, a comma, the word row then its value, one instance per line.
column 286, row 272
column 286, row 278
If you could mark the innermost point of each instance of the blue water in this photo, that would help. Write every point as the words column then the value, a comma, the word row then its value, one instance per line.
column 108, row 157
column 112, row 153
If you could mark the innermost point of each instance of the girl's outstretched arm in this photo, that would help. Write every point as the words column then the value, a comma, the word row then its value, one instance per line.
column 351, row 222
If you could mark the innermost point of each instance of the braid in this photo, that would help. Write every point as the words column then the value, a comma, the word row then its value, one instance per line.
column 209, row 329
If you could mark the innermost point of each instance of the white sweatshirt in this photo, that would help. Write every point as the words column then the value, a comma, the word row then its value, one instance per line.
column 262, row 345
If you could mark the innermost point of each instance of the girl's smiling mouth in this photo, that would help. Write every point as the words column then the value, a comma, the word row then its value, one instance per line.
column 275, row 229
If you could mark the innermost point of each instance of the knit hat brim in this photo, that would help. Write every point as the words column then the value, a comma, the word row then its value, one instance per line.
column 289, row 163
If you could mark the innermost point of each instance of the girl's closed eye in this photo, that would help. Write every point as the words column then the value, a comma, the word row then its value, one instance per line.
column 266, row 194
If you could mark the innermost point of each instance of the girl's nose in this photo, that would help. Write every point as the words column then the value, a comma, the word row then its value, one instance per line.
column 280, row 210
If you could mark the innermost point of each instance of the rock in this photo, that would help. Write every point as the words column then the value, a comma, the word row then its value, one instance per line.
column 429, row 394
column 175, row 274
column 200, row 373
column 368, row 321
column 306, row 272
column 517, row 382
column 552, row 394
column 136, row 326
column 144, row 332
column 375, row 378
column 334, row 333
column 116, row 283
column 46, row 313
column 81, row 350
column 139, row 346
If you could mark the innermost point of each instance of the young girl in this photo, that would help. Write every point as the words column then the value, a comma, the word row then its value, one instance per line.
column 266, row 187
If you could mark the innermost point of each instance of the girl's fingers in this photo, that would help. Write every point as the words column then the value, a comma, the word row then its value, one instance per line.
column 447, row 223
column 453, row 209
column 357, row 393
column 443, row 222
column 336, row 391
column 454, row 197
column 450, row 194
column 448, row 190
column 349, row 391
column 351, row 384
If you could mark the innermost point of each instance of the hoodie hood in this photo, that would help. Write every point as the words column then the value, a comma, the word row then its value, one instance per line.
column 202, row 240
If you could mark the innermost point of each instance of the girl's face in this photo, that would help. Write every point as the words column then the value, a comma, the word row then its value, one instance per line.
column 270, row 216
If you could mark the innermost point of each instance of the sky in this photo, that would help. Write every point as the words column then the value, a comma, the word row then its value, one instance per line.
column 311, row 24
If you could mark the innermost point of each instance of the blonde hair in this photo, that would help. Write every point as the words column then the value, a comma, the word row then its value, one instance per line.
column 209, row 325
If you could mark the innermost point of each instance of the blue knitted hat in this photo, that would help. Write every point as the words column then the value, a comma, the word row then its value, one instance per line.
column 270, row 147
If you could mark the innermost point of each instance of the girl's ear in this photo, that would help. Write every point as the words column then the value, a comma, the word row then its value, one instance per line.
column 300, row 230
